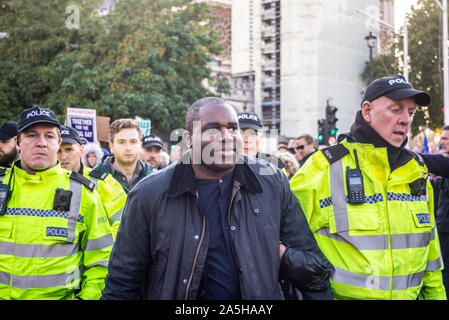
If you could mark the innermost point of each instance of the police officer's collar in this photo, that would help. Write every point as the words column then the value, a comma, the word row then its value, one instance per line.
column 81, row 170
column 362, row 132
column 51, row 170
column 183, row 178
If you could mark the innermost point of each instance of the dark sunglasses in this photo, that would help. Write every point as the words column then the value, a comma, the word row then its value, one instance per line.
column 300, row 147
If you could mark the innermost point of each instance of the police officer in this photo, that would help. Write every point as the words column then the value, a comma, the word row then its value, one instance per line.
column 9, row 151
column 370, row 205
column 55, row 239
column 152, row 148
column 111, row 193
column 251, row 131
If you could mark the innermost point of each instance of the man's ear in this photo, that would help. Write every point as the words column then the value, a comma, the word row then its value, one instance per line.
column 367, row 109
column 187, row 137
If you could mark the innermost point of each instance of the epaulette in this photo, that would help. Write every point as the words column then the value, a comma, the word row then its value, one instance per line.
column 78, row 177
column 98, row 174
column 419, row 159
column 334, row 153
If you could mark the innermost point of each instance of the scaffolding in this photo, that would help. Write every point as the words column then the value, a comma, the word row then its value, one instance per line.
column 271, row 63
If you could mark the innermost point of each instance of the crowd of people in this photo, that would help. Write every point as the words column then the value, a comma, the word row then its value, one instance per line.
column 361, row 219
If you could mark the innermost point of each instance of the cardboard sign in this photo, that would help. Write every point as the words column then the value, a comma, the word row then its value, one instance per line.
column 103, row 128
column 145, row 125
column 84, row 122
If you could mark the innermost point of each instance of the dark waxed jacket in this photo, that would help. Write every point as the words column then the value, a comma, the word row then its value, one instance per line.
column 161, row 247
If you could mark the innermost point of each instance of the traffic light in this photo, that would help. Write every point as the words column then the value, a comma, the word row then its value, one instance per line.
column 331, row 120
column 322, row 132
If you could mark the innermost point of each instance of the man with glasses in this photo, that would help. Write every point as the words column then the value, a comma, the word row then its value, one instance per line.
column 305, row 146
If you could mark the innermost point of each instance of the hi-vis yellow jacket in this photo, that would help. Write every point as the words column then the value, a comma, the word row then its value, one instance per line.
column 385, row 248
column 112, row 195
column 47, row 253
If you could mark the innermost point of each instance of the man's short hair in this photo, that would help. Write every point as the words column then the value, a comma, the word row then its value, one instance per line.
column 193, row 113
column 309, row 139
column 121, row 124
column 446, row 127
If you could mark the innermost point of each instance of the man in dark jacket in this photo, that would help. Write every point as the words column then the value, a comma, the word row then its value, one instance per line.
column 209, row 226
column 441, row 201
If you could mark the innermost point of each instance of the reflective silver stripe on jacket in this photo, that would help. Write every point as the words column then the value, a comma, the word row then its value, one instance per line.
column 116, row 216
column 75, row 204
column 45, row 281
column 380, row 241
column 40, row 282
column 399, row 282
column 338, row 196
column 99, row 243
column 39, row 250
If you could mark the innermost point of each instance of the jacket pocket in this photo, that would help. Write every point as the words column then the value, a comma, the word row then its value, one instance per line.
column 6, row 228
column 363, row 219
column 421, row 217
column 55, row 232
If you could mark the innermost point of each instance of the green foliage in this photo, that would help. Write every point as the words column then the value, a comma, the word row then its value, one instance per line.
column 146, row 58
column 425, row 61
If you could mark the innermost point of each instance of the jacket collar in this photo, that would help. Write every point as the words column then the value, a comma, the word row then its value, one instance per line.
column 362, row 132
column 183, row 178
column 142, row 168
column 38, row 174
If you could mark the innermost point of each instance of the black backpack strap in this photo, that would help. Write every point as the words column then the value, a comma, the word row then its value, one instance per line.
column 98, row 174
column 75, row 176
column 334, row 153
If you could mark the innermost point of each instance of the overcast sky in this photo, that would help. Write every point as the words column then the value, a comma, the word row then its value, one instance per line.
column 400, row 8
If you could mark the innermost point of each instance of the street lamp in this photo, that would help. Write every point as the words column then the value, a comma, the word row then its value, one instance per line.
column 371, row 42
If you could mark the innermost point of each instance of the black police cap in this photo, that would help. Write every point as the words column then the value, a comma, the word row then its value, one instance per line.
column 249, row 120
column 8, row 130
column 36, row 115
column 395, row 88
column 70, row 135
column 152, row 140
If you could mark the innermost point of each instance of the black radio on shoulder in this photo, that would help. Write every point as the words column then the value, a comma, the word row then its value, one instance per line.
column 4, row 197
column 354, row 183
column 62, row 199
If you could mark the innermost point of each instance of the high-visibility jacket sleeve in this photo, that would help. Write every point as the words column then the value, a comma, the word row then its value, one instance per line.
column 96, row 242
column 433, row 288
column 113, row 197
